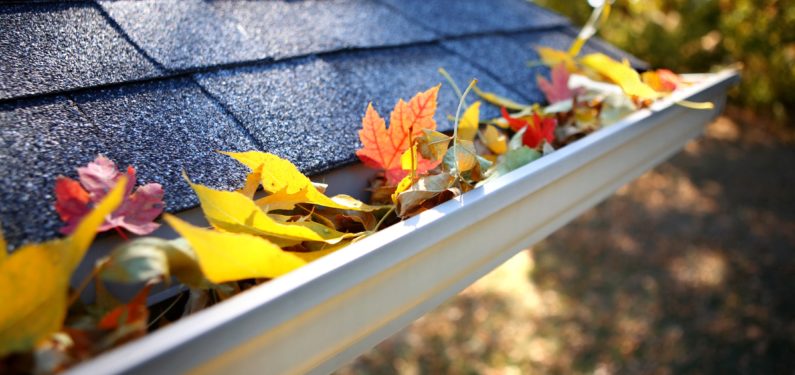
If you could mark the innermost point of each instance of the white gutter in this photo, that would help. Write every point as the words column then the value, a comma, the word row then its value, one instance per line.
column 321, row 316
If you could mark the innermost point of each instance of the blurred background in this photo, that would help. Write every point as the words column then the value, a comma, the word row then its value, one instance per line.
column 689, row 269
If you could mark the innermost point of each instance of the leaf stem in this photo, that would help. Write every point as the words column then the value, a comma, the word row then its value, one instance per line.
column 449, row 79
column 383, row 218
column 164, row 312
column 472, row 84
column 121, row 233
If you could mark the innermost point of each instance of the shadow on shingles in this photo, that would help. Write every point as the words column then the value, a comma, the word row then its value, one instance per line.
column 689, row 269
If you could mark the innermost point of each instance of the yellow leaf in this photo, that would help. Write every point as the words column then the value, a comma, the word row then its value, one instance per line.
column 404, row 185
column 409, row 160
column 553, row 57
column 235, row 256
column 499, row 101
column 310, row 256
column 495, row 140
column 620, row 74
column 252, row 183
column 281, row 200
column 280, row 175
column 34, row 280
column 468, row 126
column 465, row 156
column 233, row 212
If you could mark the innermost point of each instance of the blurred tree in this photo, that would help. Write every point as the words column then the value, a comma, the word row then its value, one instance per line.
column 700, row 35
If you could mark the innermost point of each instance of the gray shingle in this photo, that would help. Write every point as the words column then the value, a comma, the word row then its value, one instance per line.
column 40, row 140
column 53, row 47
column 507, row 56
column 161, row 129
column 164, row 128
column 461, row 17
column 193, row 33
column 310, row 110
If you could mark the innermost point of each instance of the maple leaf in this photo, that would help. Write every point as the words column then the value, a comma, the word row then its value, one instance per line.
column 558, row 89
column 383, row 147
column 537, row 128
column 74, row 200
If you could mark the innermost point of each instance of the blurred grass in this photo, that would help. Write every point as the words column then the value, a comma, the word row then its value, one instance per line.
column 702, row 35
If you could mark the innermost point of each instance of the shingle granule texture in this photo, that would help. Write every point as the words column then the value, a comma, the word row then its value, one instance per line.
column 38, row 141
column 53, row 47
column 164, row 128
column 193, row 33
column 507, row 57
column 309, row 111
column 461, row 17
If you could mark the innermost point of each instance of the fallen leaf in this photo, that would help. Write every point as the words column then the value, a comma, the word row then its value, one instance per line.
column 512, row 160
column 225, row 256
column 280, row 176
column 136, row 213
column 148, row 258
column 383, row 147
column 412, row 201
column 34, row 280
column 553, row 57
column 498, row 100
column 558, row 89
column 495, row 140
column 233, row 212
column 541, row 128
column 134, row 312
column 468, row 124
column 622, row 75
column 461, row 158
column 432, row 145
column 661, row 80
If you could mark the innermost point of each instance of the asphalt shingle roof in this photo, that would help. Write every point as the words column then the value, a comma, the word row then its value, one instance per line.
column 161, row 85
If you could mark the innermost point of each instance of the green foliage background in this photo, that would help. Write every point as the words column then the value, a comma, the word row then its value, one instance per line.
column 703, row 35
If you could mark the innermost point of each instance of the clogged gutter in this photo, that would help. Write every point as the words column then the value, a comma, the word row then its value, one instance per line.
column 45, row 327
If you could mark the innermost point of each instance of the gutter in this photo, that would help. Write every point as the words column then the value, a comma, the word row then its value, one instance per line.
column 319, row 317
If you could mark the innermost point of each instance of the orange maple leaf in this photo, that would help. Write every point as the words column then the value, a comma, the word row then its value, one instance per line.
column 382, row 146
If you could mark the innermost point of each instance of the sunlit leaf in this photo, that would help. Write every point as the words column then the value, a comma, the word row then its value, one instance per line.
column 233, row 212
column 34, row 279
column 468, row 125
column 495, row 140
column 553, row 57
column 383, row 147
column 624, row 76
column 279, row 175
column 227, row 256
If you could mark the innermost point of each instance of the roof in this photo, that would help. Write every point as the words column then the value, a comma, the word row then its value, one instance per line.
column 162, row 85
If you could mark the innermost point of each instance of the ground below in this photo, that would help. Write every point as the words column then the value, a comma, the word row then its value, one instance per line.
column 689, row 269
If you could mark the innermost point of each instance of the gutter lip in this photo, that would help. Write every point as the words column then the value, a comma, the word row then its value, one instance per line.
column 375, row 254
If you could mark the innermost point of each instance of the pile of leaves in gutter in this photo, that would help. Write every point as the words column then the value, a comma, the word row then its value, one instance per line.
column 280, row 220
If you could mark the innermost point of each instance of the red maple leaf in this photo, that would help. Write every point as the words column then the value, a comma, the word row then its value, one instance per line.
column 536, row 129
column 74, row 200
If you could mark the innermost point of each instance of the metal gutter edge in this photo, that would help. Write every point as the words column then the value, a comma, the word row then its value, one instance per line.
column 319, row 317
